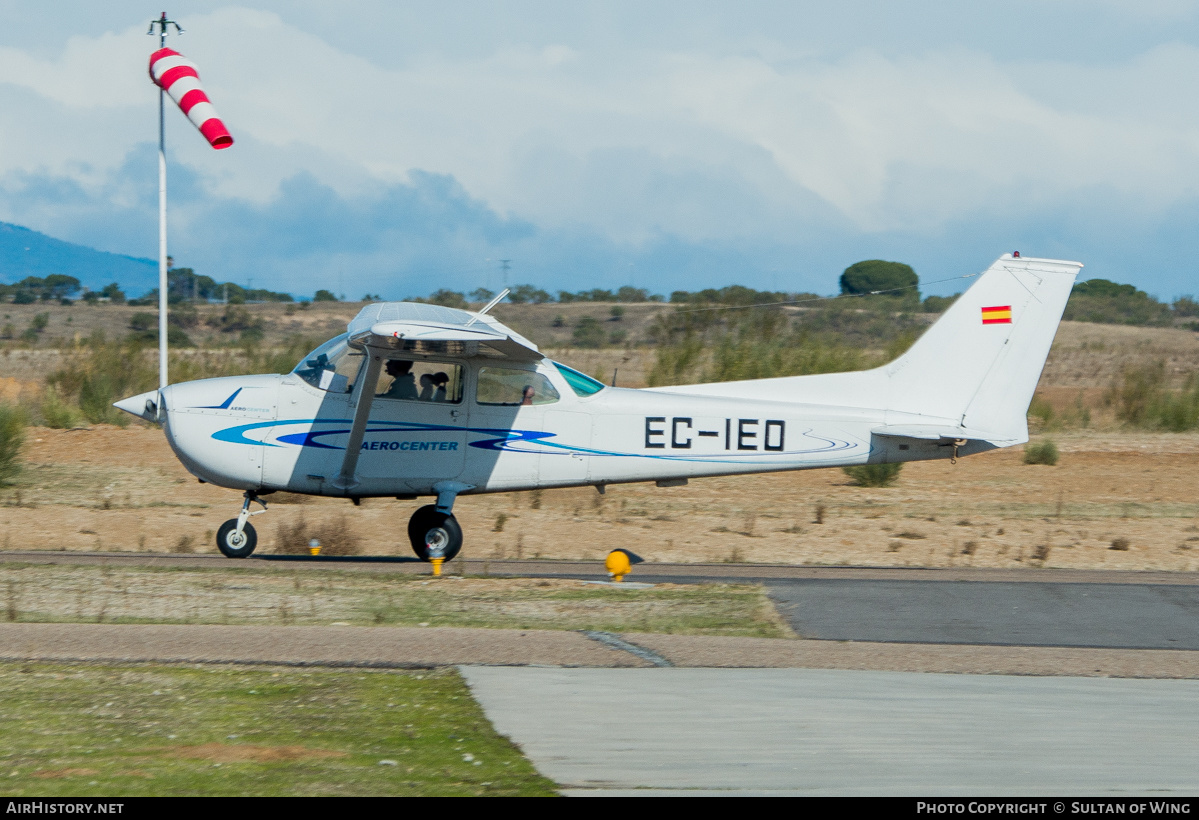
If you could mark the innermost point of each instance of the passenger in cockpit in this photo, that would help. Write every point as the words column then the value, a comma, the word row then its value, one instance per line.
column 440, row 382
column 426, row 387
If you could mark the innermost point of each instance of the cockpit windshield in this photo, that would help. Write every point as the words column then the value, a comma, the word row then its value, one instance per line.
column 333, row 366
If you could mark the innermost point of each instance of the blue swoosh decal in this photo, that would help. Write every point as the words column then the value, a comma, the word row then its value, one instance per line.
column 504, row 439
column 223, row 405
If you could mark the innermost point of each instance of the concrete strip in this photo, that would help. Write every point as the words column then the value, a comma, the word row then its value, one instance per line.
column 382, row 646
column 719, row 651
column 446, row 646
column 810, row 731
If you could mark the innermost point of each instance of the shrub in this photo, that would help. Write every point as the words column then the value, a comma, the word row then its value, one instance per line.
column 1041, row 452
column 55, row 412
column 938, row 304
column 1142, row 399
column 1186, row 306
column 336, row 537
column 588, row 332
column 140, row 322
column 1100, row 300
column 873, row 475
column 448, row 298
column 12, row 438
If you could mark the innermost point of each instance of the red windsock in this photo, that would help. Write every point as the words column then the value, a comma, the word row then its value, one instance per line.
column 177, row 75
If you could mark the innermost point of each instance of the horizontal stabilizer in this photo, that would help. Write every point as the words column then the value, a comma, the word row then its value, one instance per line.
column 935, row 432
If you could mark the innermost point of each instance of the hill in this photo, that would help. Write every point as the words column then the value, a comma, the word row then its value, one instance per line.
column 25, row 252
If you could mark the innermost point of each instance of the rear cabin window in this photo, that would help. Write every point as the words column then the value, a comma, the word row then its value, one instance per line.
column 582, row 384
column 420, row 380
column 512, row 388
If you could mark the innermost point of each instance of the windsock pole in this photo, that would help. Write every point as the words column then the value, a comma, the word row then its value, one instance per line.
column 161, row 24
column 162, row 241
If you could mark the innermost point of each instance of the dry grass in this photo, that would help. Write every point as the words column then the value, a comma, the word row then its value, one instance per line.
column 335, row 536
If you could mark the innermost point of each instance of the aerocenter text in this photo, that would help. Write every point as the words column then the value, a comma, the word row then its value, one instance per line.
column 681, row 432
column 409, row 445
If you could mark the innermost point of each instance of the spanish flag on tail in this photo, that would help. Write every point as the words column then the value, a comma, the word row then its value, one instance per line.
column 997, row 315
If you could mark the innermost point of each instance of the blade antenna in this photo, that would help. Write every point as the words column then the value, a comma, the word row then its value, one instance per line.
column 489, row 306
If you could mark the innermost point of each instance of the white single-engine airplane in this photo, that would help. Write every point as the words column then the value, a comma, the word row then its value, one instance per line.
column 419, row 400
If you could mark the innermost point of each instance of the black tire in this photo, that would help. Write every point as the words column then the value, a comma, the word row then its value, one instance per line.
column 233, row 547
column 428, row 523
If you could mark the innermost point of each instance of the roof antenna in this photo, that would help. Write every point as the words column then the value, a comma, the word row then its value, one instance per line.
column 488, row 306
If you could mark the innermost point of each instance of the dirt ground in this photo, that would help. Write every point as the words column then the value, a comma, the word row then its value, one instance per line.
column 1115, row 501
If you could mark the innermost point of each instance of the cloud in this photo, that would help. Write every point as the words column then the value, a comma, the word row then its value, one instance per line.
column 686, row 143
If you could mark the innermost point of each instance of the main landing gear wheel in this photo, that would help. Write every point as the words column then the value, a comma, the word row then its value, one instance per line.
column 235, row 545
column 428, row 527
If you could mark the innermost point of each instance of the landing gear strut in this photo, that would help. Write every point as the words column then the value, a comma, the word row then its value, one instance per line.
column 236, row 538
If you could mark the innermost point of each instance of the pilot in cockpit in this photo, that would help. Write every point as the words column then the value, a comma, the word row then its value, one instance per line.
column 403, row 384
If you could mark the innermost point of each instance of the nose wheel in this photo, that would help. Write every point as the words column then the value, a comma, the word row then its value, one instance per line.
column 431, row 532
column 236, row 538
column 234, row 544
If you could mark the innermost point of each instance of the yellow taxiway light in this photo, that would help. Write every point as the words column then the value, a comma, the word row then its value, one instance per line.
column 436, row 562
column 618, row 565
column 314, row 547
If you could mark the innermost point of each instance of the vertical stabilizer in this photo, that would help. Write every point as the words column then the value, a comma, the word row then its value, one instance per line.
column 979, row 364
column 975, row 368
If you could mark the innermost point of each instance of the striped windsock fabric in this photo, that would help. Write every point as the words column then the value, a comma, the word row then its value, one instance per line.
column 177, row 75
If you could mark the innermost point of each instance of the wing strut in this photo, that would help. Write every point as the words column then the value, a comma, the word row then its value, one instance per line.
column 364, row 397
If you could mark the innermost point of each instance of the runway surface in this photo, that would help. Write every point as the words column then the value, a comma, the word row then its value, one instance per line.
column 1140, row 616
column 815, row 732
column 1026, row 607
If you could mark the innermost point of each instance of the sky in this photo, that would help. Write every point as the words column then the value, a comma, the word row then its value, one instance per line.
column 400, row 147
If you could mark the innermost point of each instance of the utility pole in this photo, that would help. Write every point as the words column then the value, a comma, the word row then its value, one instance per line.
column 505, row 266
column 162, row 25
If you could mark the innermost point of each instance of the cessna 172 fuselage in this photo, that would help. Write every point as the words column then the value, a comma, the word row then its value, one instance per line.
column 420, row 400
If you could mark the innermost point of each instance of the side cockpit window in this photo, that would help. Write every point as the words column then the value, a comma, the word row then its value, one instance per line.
column 513, row 388
column 420, row 380
column 333, row 366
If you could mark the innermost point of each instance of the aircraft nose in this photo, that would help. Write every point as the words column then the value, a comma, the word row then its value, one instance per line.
column 143, row 405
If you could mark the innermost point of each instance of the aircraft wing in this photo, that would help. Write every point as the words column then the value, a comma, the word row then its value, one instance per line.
column 935, row 432
column 421, row 328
